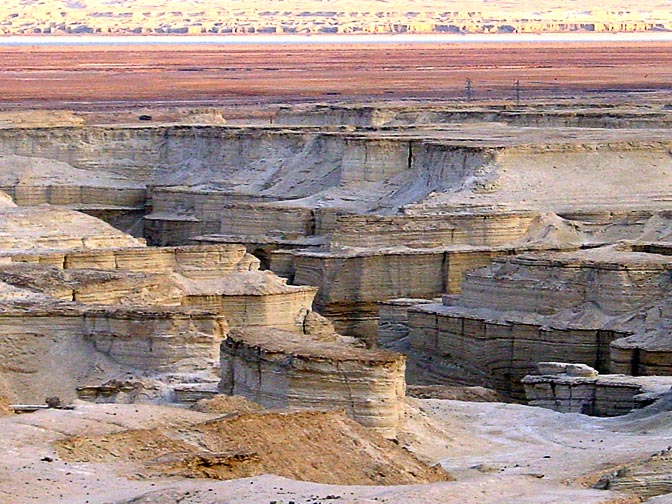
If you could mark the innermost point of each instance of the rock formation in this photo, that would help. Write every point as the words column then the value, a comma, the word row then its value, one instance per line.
column 358, row 205
column 145, row 324
column 578, row 388
column 280, row 369
column 503, row 248
column 603, row 307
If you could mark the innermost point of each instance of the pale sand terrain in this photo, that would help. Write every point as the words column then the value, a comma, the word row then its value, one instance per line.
column 312, row 16
column 498, row 453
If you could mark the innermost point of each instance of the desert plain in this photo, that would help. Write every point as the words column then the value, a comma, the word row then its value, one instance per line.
column 250, row 73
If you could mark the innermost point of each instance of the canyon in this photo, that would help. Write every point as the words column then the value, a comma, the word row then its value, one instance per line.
column 396, row 301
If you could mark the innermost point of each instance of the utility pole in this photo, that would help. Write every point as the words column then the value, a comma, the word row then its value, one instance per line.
column 468, row 90
column 517, row 92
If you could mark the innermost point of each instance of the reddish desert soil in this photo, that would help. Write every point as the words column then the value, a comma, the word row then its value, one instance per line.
column 266, row 73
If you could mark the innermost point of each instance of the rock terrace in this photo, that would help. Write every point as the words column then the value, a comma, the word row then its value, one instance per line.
column 323, row 262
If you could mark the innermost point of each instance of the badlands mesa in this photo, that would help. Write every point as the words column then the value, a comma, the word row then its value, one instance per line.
column 300, row 274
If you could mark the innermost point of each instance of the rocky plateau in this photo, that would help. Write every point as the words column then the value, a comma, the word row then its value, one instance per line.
column 395, row 302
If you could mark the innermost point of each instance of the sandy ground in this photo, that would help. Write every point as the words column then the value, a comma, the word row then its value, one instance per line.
column 497, row 452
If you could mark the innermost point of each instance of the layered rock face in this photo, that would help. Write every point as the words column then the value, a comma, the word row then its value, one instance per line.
column 577, row 388
column 120, row 321
column 375, row 203
column 363, row 269
column 253, row 299
column 403, row 198
column 72, row 284
column 156, row 321
column 52, row 346
column 280, row 369
column 382, row 215
column 602, row 307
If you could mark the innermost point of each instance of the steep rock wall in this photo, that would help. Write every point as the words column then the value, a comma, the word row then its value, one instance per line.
column 393, row 323
column 83, row 344
column 286, row 311
column 603, row 307
column 562, row 176
column 388, row 170
column 472, row 348
column 484, row 229
column 158, row 340
column 616, row 282
column 352, row 282
column 281, row 369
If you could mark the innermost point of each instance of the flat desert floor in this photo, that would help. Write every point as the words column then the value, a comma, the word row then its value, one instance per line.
column 183, row 74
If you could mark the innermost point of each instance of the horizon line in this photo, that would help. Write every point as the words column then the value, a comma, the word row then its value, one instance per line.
column 289, row 39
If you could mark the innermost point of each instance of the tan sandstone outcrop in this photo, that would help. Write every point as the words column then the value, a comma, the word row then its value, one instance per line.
column 399, row 202
column 404, row 197
column 602, row 307
column 280, row 369
column 81, row 299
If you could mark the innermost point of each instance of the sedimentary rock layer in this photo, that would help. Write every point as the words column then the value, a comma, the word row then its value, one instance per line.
column 577, row 388
column 81, row 343
column 481, row 228
column 602, row 307
column 282, row 369
column 190, row 261
column 615, row 279
column 253, row 299
column 74, row 288
column 352, row 281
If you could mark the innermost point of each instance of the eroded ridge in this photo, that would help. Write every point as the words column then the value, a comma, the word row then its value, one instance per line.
column 286, row 370
column 604, row 307
column 137, row 323
column 499, row 247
